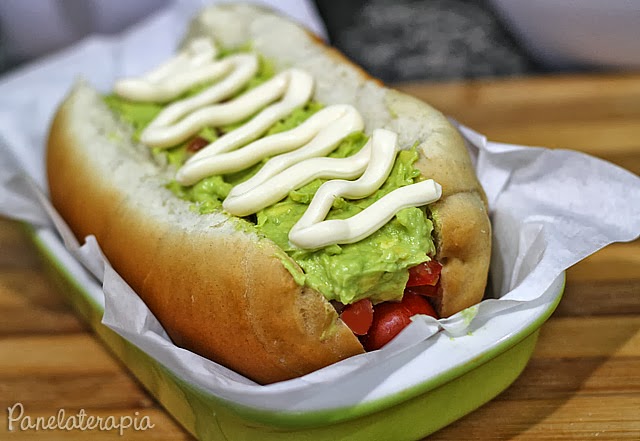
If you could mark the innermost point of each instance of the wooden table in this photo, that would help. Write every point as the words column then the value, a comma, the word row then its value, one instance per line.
column 583, row 381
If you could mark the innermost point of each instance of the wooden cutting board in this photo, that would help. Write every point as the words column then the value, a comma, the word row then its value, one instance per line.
column 582, row 383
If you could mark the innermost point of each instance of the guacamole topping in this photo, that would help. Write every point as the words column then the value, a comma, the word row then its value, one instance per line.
column 375, row 267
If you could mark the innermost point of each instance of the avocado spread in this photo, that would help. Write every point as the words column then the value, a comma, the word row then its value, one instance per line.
column 375, row 267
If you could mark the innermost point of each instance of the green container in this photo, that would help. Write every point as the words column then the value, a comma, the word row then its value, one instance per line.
column 406, row 414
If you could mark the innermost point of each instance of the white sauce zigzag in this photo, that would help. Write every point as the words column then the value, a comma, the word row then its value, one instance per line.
column 298, row 156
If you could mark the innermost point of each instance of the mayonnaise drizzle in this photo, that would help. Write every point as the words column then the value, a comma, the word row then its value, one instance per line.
column 195, row 65
column 312, row 231
column 239, row 70
column 297, row 90
column 262, row 194
column 297, row 155
column 317, row 136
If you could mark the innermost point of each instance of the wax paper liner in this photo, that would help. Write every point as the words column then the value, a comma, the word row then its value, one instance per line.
column 549, row 209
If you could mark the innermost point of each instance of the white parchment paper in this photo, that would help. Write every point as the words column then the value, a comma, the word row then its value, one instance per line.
column 549, row 209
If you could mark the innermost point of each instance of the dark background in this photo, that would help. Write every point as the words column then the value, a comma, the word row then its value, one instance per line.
column 402, row 40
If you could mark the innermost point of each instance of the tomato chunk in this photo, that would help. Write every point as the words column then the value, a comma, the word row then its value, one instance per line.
column 391, row 318
column 417, row 304
column 196, row 144
column 358, row 316
column 424, row 290
column 426, row 273
column 388, row 320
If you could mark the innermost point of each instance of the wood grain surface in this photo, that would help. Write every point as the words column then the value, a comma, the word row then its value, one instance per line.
column 582, row 383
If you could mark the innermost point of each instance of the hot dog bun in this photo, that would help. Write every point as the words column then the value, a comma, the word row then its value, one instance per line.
column 218, row 288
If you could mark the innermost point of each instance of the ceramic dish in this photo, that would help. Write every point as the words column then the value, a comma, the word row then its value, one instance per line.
column 426, row 394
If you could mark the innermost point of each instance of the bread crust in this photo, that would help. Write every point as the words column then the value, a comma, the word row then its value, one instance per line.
column 244, row 309
column 462, row 227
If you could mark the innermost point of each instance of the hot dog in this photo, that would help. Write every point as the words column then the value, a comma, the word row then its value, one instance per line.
column 258, row 186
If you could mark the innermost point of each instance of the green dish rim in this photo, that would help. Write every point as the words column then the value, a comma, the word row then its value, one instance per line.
column 317, row 418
